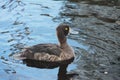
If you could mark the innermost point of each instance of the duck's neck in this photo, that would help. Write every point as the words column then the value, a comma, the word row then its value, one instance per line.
column 62, row 40
column 64, row 45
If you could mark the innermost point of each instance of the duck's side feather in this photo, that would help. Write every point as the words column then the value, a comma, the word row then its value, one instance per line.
column 44, row 52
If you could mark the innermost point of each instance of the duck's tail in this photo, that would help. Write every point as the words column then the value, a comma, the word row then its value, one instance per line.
column 18, row 56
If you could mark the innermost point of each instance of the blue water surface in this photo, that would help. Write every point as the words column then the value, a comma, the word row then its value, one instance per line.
column 26, row 23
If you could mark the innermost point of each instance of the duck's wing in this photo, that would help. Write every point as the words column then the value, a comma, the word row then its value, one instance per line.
column 51, row 49
column 40, row 52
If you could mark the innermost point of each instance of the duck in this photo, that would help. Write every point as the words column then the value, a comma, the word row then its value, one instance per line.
column 50, row 55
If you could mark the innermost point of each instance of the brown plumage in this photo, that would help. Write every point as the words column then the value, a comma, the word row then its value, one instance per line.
column 51, row 52
column 46, row 54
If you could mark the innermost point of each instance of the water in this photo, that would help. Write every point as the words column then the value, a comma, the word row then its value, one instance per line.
column 29, row 22
column 98, row 23
column 25, row 23
column 22, row 22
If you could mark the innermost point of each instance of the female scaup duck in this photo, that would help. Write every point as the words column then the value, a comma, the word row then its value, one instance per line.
column 51, row 55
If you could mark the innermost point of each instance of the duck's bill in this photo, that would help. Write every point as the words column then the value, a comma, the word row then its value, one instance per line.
column 73, row 31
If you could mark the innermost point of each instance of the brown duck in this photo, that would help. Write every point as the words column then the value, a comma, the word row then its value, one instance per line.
column 50, row 55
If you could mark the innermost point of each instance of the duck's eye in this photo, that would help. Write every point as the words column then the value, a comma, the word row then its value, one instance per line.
column 66, row 29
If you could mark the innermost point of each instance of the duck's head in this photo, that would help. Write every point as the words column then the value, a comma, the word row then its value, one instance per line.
column 62, row 31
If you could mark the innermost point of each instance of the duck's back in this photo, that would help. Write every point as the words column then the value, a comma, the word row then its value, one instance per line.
column 46, row 52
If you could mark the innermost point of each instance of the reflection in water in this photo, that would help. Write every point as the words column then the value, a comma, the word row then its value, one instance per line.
column 99, row 2
column 62, row 73
column 15, row 30
column 12, row 4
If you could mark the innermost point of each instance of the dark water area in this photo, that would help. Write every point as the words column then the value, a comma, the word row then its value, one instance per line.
column 95, row 39
column 98, row 24
column 99, row 2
